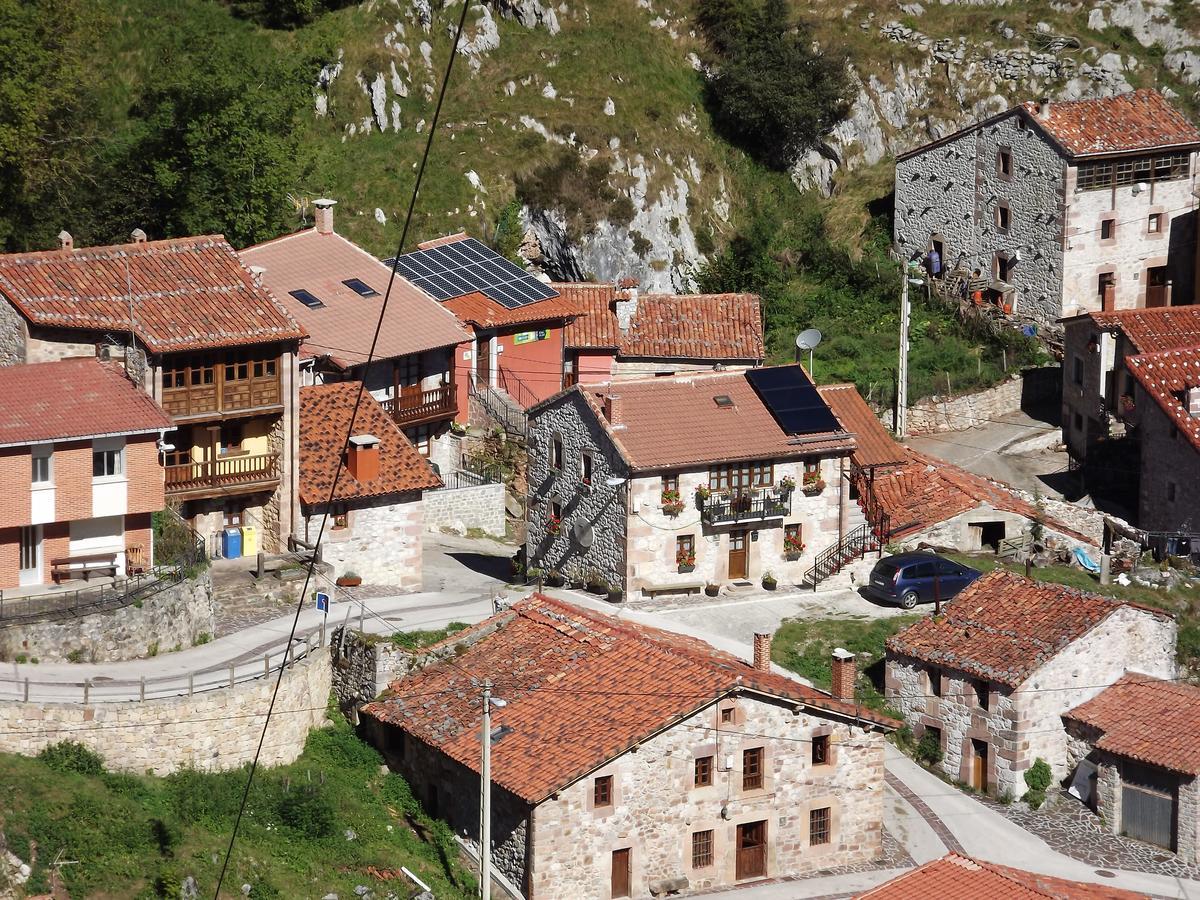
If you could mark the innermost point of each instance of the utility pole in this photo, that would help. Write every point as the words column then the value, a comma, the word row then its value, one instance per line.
column 901, row 418
column 485, row 787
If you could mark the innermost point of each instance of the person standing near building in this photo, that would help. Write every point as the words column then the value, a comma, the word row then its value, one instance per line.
column 934, row 261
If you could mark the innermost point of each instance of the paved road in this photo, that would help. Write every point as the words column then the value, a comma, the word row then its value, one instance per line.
column 1012, row 449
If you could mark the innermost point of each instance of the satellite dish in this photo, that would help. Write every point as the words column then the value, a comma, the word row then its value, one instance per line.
column 583, row 534
column 808, row 339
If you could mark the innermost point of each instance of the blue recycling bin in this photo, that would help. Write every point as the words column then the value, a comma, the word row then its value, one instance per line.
column 231, row 543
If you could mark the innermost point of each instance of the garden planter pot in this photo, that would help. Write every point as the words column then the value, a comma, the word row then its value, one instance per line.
column 770, row 585
column 555, row 580
column 813, row 489
column 683, row 568
column 791, row 557
column 614, row 596
column 712, row 590
column 349, row 581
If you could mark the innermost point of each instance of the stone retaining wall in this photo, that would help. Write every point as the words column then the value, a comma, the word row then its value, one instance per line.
column 173, row 618
column 214, row 731
column 462, row 508
column 1031, row 389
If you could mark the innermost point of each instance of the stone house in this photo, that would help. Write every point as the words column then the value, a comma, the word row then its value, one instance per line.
column 202, row 338
column 1134, row 757
column 335, row 290
column 376, row 517
column 1165, row 419
column 628, row 761
column 957, row 877
column 1098, row 387
column 621, row 334
column 1064, row 207
column 79, row 472
column 668, row 484
column 994, row 673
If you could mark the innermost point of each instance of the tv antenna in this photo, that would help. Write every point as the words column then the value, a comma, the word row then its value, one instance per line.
column 808, row 340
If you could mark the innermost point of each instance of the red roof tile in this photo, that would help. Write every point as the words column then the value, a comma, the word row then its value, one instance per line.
column 955, row 877
column 188, row 293
column 580, row 688
column 484, row 312
column 441, row 241
column 344, row 327
column 1149, row 720
column 325, row 411
column 923, row 491
column 1151, row 330
column 73, row 398
column 664, row 423
column 1137, row 120
column 1167, row 376
column 668, row 326
column 875, row 445
column 1003, row 627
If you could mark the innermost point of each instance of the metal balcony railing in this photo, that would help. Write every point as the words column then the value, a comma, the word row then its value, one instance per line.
column 746, row 506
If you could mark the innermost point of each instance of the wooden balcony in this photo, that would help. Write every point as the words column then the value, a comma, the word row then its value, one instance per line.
column 420, row 406
column 746, row 506
column 238, row 474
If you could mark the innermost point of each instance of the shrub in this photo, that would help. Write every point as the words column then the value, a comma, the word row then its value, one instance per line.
column 76, row 655
column 929, row 750
column 1037, row 778
column 307, row 811
column 339, row 748
column 206, row 799
column 202, row 638
column 71, row 756
column 395, row 792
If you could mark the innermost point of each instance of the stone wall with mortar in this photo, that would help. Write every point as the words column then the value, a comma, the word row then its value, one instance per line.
column 935, row 414
column 381, row 542
column 1169, row 498
column 12, row 335
column 656, row 807
column 213, row 731
column 173, row 618
column 468, row 507
column 962, row 532
column 363, row 667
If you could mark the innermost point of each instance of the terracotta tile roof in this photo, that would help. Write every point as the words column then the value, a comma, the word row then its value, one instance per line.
column 440, row 241
column 324, row 415
column 1167, row 376
column 667, row 326
column 923, row 491
column 188, row 293
column 955, row 877
column 580, row 688
column 73, row 398
column 1137, row 120
column 1147, row 719
column 1151, row 330
column 875, row 445
column 484, row 312
column 343, row 328
column 664, row 423
column 1003, row 627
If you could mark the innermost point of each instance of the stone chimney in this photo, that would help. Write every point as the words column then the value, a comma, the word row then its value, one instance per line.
column 1043, row 112
column 363, row 457
column 137, row 236
column 65, row 241
column 324, row 215
column 845, row 671
column 256, row 272
column 625, row 302
column 1193, row 402
column 762, row 651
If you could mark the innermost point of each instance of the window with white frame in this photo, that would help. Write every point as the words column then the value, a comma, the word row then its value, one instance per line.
column 108, row 458
column 43, row 465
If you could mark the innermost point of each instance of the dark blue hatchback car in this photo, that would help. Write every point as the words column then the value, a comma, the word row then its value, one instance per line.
column 907, row 579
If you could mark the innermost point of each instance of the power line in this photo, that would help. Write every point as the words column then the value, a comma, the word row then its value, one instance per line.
column 346, row 441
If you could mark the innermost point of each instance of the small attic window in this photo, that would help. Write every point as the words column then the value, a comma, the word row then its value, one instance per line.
column 309, row 299
column 360, row 287
column 724, row 401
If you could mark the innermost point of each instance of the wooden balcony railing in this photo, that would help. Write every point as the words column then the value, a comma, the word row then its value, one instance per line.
column 746, row 506
column 225, row 472
column 415, row 407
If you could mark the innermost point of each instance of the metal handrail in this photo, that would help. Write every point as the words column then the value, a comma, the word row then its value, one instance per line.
column 85, row 601
column 856, row 543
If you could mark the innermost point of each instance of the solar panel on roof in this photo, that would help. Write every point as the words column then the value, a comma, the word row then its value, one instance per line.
column 312, row 301
column 793, row 399
column 464, row 267
column 360, row 287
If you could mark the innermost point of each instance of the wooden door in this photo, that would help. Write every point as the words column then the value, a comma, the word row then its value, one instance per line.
column 737, row 553
column 483, row 359
column 1148, row 804
column 622, row 877
column 1156, row 286
column 751, row 850
column 979, row 765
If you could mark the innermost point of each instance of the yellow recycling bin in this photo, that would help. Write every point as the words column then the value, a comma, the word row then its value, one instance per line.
column 249, row 540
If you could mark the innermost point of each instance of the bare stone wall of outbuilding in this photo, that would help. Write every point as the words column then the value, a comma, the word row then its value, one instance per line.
column 381, row 543
column 958, row 531
column 1168, row 460
column 656, row 808
column 12, row 335
column 480, row 506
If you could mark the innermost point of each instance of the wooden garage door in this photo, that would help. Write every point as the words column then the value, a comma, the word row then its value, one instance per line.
column 1148, row 805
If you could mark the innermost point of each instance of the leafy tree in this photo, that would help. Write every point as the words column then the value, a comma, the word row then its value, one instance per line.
column 772, row 93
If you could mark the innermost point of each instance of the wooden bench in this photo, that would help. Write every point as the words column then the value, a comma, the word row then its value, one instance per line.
column 85, row 566
column 683, row 587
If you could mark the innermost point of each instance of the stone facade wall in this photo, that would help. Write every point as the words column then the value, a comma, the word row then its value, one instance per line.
column 656, row 807
column 936, row 414
column 1024, row 724
column 600, row 506
column 953, row 190
column 1169, row 496
column 214, row 731
column 469, row 507
column 176, row 616
column 363, row 667
column 12, row 335
column 381, row 542
column 961, row 532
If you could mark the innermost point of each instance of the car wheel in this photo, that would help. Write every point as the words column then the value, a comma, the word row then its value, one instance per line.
column 909, row 599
